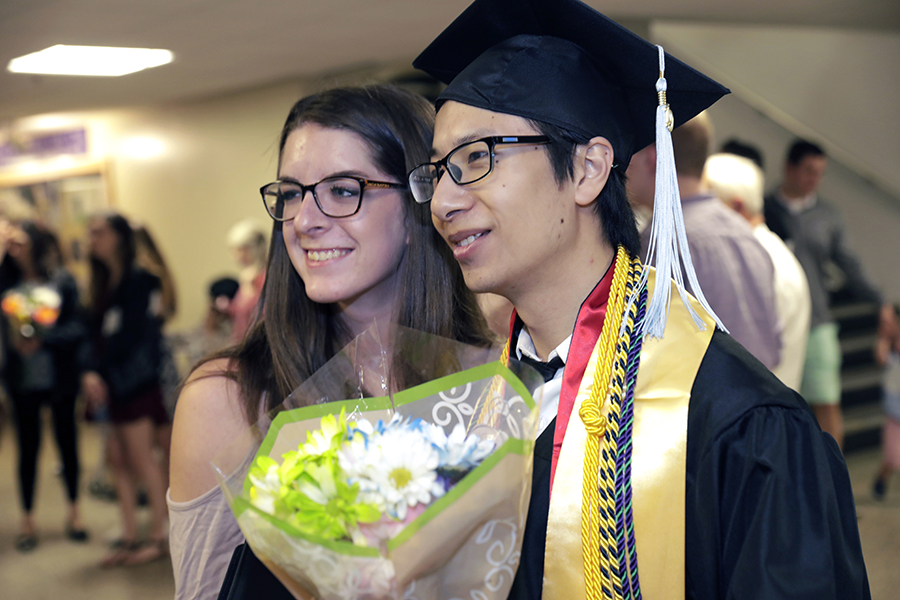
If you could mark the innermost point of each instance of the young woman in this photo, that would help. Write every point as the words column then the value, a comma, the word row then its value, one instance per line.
column 349, row 247
column 41, row 366
column 126, row 327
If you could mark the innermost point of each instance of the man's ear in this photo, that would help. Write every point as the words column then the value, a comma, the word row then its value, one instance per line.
column 593, row 162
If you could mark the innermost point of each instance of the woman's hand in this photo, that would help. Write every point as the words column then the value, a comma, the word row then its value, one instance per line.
column 888, row 334
column 94, row 389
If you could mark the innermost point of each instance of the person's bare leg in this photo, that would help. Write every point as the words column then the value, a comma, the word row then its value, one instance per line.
column 126, row 493
column 831, row 420
column 126, row 489
column 139, row 440
column 28, row 527
column 73, row 517
column 890, row 452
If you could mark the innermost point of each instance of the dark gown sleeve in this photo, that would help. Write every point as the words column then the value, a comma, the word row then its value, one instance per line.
column 769, row 507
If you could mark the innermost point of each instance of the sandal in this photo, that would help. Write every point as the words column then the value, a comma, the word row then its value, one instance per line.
column 148, row 552
column 26, row 542
column 119, row 551
column 77, row 534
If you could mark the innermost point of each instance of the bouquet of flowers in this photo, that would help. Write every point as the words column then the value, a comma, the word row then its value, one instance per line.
column 31, row 310
column 418, row 492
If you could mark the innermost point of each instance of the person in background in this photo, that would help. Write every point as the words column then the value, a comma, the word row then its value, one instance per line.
column 890, row 432
column 814, row 230
column 733, row 269
column 214, row 333
column 350, row 248
column 149, row 257
column 218, row 321
column 126, row 311
column 247, row 240
column 40, row 343
column 738, row 182
column 740, row 148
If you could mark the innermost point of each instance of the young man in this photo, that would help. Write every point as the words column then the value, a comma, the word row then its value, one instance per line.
column 732, row 488
column 815, row 231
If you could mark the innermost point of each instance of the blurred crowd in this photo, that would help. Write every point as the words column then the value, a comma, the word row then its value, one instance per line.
column 96, row 353
column 773, row 265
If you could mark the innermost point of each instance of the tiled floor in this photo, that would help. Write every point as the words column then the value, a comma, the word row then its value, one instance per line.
column 61, row 570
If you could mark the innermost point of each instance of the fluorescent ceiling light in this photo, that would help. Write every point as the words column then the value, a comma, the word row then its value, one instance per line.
column 89, row 60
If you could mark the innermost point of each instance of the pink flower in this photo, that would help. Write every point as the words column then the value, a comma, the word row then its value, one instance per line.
column 379, row 532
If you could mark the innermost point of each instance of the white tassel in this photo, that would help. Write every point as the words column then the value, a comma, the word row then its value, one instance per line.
column 668, row 247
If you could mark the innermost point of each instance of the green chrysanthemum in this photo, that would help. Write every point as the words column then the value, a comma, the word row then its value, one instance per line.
column 306, row 491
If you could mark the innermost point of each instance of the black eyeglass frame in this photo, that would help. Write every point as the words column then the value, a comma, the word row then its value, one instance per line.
column 492, row 141
column 363, row 184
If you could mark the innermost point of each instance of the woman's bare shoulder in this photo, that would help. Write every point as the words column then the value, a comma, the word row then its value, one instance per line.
column 209, row 419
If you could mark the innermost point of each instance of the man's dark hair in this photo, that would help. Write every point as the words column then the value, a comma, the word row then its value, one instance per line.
column 224, row 286
column 800, row 149
column 617, row 221
column 736, row 146
column 690, row 144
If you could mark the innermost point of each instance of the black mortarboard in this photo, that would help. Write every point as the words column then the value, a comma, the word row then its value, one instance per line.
column 563, row 63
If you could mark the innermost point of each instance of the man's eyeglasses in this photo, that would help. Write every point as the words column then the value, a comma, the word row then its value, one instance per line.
column 336, row 197
column 468, row 163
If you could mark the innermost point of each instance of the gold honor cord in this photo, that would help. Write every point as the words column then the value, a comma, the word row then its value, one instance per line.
column 598, row 502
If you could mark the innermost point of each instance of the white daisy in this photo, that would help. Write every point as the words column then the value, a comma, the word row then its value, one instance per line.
column 395, row 470
column 44, row 296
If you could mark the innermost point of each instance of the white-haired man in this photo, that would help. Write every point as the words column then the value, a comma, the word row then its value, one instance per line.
column 739, row 183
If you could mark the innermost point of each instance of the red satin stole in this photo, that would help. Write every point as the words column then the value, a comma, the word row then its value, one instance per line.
column 588, row 326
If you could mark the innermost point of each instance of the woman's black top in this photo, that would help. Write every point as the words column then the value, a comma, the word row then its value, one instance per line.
column 126, row 335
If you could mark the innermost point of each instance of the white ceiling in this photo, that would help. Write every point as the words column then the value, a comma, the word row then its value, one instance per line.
column 228, row 45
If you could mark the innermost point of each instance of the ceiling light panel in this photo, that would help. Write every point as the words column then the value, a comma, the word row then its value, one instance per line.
column 99, row 61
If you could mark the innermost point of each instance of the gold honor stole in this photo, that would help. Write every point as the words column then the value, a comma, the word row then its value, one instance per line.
column 666, row 374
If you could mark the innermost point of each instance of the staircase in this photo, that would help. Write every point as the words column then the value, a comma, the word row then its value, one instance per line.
column 861, row 376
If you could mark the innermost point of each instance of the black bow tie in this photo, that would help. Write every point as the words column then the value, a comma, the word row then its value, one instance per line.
column 546, row 369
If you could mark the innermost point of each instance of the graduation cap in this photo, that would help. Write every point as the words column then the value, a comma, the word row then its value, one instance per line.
column 563, row 63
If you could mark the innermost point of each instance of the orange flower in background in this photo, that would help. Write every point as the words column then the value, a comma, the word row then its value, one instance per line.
column 45, row 316
column 29, row 308
column 13, row 305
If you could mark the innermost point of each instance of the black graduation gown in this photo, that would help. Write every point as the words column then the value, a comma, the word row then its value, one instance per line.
column 769, row 508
